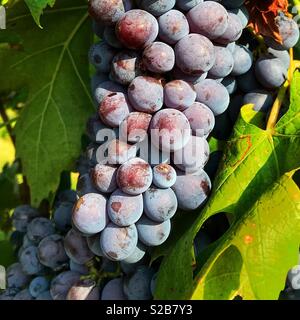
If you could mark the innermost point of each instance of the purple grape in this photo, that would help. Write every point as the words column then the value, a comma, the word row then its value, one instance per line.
column 15, row 277
column 179, row 94
column 114, row 109
column 243, row 14
column 137, row 285
column 107, row 11
column 270, row 72
column 160, row 204
column 187, row 5
column 230, row 84
column 22, row 216
column 61, row 284
column 243, row 59
column 101, row 91
column 193, row 156
column 94, row 244
column 89, row 213
column 164, row 175
column 170, row 130
column 201, row 119
column 213, row 94
column 233, row 31
column 134, row 176
column 209, row 19
column 62, row 216
column 173, row 26
column 137, row 255
column 146, row 94
column 118, row 243
column 126, row 66
column 113, row 290
column 23, row 295
column 136, row 29
column 262, row 100
column 179, row 75
column 40, row 228
column 153, row 233
column 124, row 209
column 38, row 285
column 195, row 54
column 51, row 252
column 104, row 178
column 111, row 38
column 159, row 57
column 283, row 55
column 223, row 64
column 30, row 262
column 119, row 152
column 76, row 247
column 85, row 185
column 83, row 290
column 101, row 56
column 192, row 190
column 135, row 127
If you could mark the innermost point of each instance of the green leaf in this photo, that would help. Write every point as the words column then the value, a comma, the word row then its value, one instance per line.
column 53, row 65
column 255, row 160
column 7, row 256
column 36, row 8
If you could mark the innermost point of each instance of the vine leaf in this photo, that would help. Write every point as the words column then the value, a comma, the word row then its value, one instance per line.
column 36, row 8
column 249, row 186
column 53, row 66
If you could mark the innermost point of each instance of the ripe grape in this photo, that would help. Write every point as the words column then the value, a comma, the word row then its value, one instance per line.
column 159, row 57
column 160, row 204
column 118, row 243
column 243, row 14
column 134, row 176
column 213, row 94
column 179, row 94
column 89, row 213
column 113, row 290
column 230, row 84
column 164, row 175
column 137, row 255
column 101, row 56
column 223, row 64
column 94, row 244
column 61, row 284
column 136, row 29
column 153, row 233
column 283, row 55
column 124, row 209
column 100, row 92
column 233, row 31
column 170, row 130
column 39, row 228
column 22, row 215
column 15, row 276
column 262, row 100
column 243, row 59
column 209, row 19
column 146, row 94
column 173, row 26
column 30, row 262
column 104, row 178
column 156, row 7
column 76, row 247
column 38, row 285
column 195, row 54
column 63, row 215
column 192, row 190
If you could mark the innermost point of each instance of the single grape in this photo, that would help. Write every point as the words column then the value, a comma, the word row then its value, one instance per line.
column 209, row 19
column 84, row 290
column 179, row 94
column 193, row 156
column 164, row 175
column 173, row 26
column 146, row 94
column 101, row 56
column 22, row 215
column 46, row 295
column 231, row 46
column 104, row 178
column 153, row 233
column 124, row 209
column 51, row 252
column 179, row 75
column 135, row 127
column 85, row 185
column 63, row 215
column 23, row 295
column 94, row 244
column 231, row 4
column 80, row 268
column 247, row 82
column 159, row 57
column 134, row 176
column 118, row 243
column 38, row 285
column 136, row 29
column 40, row 228
column 114, row 109
column 137, row 255
column 160, row 204
column 262, row 100
column 192, row 190
column 223, row 64
column 201, row 118
column 113, row 290
column 270, row 72
column 109, row 35
column 213, row 94
column 76, row 247
column 137, row 285
column 233, row 31
column 126, row 66
column 230, row 84
column 107, row 11
column 30, row 261
column 61, row 284
column 156, row 7
column 243, row 59
column 170, row 130
column 100, row 92
column 194, row 54
column 283, row 55
column 186, row 5
column 15, row 276
column 89, row 213
column 243, row 14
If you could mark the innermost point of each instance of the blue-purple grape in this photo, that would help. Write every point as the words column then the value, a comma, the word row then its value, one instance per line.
column 22, row 216
column 262, row 100
column 30, row 262
column 223, row 63
column 113, row 290
column 38, row 285
column 15, row 277
column 62, row 216
column 156, row 7
column 243, row 14
column 100, row 92
column 283, row 55
column 230, row 84
column 61, row 284
column 233, row 31
column 101, row 56
column 164, row 175
column 137, row 255
column 93, row 243
column 39, row 228
column 187, row 5
column 243, row 59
